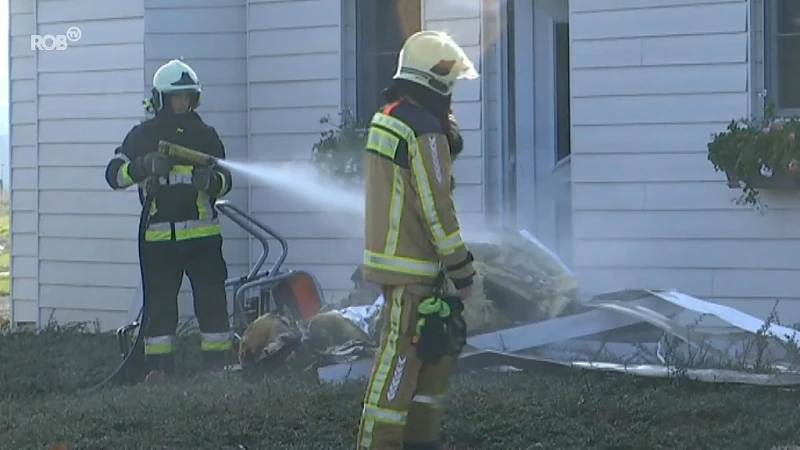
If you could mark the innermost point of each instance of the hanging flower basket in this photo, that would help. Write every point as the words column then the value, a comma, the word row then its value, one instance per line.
column 758, row 154
column 781, row 181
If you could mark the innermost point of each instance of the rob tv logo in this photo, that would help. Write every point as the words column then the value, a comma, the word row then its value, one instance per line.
column 55, row 42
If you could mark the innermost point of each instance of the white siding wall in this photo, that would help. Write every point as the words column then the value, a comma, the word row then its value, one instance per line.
column 217, row 50
column 464, row 23
column 24, row 166
column 651, row 80
column 295, row 77
column 88, row 96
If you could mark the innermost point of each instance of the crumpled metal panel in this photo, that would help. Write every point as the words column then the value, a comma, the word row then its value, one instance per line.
column 665, row 335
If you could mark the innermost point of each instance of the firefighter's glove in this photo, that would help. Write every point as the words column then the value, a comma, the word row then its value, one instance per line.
column 440, row 329
column 155, row 165
column 454, row 139
column 205, row 179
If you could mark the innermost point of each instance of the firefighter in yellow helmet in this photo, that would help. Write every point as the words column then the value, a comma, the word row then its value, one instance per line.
column 413, row 239
column 183, row 234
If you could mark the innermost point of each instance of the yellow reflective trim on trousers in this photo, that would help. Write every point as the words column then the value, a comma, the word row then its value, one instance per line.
column 384, row 365
column 388, row 416
column 401, row 264
column 182, row 234
column 434, row 401
column 395, row 212
column 124, row 175
column 215, row 346
column 158, row 345
column 444, row 243
column 215, row 341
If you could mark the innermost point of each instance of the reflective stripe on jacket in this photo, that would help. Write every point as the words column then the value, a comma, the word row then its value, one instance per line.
column 179, row 211
column 411, row 228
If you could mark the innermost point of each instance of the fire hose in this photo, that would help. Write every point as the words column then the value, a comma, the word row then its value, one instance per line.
column 143, row 319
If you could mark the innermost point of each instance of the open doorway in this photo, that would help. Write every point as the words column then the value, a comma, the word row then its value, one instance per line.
column 538, row 92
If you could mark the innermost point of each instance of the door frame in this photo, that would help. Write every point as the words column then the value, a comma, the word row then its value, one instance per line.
column 542, row 182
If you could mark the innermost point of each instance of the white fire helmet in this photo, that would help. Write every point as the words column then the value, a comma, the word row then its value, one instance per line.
column 172, row 77
column 434, row 60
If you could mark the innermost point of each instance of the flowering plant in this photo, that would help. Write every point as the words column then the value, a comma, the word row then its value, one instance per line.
column 760, row 153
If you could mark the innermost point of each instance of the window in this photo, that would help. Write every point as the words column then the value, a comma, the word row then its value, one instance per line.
column 381, row 28
column 563, row 141
column 782, row 50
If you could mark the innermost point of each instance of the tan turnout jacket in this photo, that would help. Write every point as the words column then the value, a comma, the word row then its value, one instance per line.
column 412, row 231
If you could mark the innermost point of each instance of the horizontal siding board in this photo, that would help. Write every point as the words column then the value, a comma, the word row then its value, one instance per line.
column 304, row 92
column 287, row 68
column 311, row 14
column 627, row 168
column 695, row 19
column 651, row 109
column 68, row 11
column 699, row 283
column 99, row 82
column 216, row 21
column 755, row 254
column 93, row 58
column 106, row 227
column 709, row 195
column 660, row 51
column 711, row 224
column 646, row 138
column 281, row 146
column 24, row 156
column 295, row 120
column 61, row 155
column 89, row 273
column 68, row 131
column 743, row 283
column 25, row 266
column 694, row 79
column 105, row 32
column 299, row 41
column 90, row 107
column 164, row 46
column 582, row 6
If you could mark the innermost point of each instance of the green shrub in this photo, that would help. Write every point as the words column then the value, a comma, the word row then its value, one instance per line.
column 558, row 408
column 340, row 150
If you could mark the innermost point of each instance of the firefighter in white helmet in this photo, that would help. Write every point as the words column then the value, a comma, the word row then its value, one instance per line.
column 413, row 240
column 183, row 233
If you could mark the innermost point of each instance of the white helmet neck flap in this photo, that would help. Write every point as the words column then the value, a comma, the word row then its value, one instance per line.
column 434, row 60
column 173, row 77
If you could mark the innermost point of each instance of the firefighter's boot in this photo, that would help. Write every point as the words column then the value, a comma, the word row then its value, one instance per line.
column 159, row 367
column 217, row 361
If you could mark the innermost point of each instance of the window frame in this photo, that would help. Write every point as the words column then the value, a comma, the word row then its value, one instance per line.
column 368, row 47
column 772, row 58
column 567, row 110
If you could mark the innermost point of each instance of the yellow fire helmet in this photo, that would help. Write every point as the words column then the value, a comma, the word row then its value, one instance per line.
column 434, row 60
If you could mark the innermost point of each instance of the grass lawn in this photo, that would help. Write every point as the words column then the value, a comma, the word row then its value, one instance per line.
column 551, row 409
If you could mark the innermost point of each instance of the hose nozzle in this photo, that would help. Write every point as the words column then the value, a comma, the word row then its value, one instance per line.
column 188, row 155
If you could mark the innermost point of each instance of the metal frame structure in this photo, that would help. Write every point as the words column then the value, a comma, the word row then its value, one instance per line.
column 255, row 278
